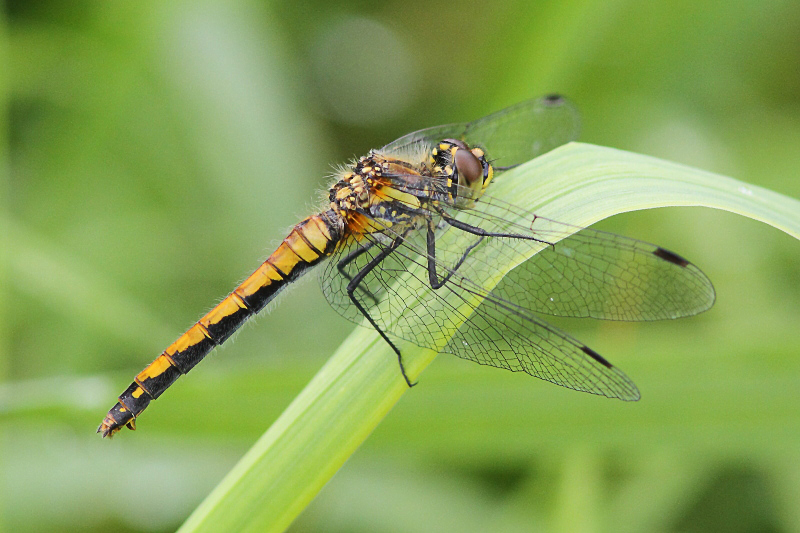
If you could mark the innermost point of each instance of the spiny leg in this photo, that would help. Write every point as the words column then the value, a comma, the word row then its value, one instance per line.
column 431, row 245
column 349, row 258
column 358, row 278
column 475, row 230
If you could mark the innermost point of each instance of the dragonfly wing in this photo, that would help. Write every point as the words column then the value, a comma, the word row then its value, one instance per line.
column 580, row 272
column 511, row 136
column 503, row 335
column 607, row 276
column 519, row 133
column 463, row 319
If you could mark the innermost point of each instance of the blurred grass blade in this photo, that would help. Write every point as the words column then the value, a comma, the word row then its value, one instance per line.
column 578, row 184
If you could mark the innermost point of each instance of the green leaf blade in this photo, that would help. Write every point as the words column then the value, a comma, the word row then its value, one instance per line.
column 577, row 184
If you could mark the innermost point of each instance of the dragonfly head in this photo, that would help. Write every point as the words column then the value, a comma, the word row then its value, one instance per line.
column 467, row 167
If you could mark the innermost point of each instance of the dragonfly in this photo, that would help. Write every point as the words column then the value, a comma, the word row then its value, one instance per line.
column 413, row 240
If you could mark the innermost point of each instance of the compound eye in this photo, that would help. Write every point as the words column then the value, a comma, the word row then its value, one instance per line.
column 469, row 168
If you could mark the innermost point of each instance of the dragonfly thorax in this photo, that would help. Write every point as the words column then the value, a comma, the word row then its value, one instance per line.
column 352, row 191
column 381, row 191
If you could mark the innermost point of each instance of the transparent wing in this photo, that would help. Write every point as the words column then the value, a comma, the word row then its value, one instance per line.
column 511, row 136
column 507, row 336
column 461, row 317
column 607, row 276
column 575, row 272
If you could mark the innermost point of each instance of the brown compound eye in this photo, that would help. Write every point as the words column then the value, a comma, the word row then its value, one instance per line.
column 469, row 167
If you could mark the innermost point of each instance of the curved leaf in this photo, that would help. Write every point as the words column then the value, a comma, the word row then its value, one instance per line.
column 579, row 184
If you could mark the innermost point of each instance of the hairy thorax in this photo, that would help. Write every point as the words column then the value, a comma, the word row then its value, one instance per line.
column 380, row 192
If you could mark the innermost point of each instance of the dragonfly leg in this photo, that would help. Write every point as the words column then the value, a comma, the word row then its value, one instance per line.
column 475, row 230
column 354, row 284
column 349, row 258
column 431, row 245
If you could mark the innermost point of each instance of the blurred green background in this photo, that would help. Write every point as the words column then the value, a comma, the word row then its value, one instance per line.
column 153, row 154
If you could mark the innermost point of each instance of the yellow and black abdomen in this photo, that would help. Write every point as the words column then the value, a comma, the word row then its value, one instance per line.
column 309, row 242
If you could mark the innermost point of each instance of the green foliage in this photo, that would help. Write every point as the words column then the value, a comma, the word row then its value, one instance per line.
column 358, row 386
column 155, row 152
